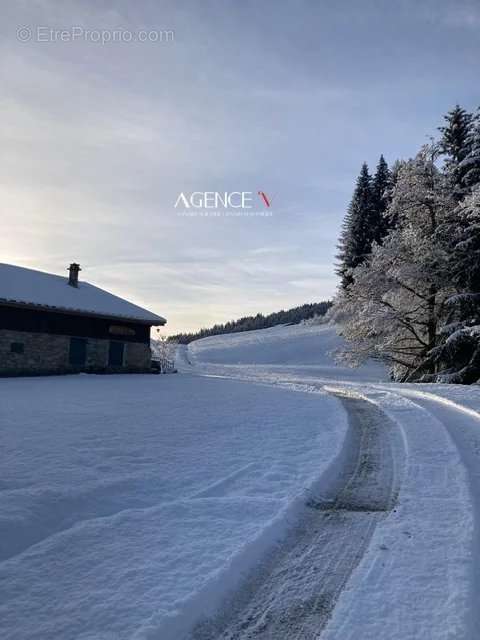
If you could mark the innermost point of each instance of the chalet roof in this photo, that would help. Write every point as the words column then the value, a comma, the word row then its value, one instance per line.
column 21, row 286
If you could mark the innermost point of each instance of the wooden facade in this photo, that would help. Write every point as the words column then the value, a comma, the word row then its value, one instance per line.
column 24, row 318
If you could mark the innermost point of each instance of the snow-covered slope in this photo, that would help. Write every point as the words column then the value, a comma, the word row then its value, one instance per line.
column 310, row 347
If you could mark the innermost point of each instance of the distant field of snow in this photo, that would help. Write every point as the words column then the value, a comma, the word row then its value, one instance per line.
column 127, row 501
column 285, row 347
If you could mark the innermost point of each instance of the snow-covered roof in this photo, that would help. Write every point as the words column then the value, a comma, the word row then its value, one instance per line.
column 19, row 285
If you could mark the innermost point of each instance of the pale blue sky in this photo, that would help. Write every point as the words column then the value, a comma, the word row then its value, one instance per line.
column 285, row 97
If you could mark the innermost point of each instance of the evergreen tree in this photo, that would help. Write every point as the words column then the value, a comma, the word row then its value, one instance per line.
column 470, row 165
column 391, row 215
column 381, row 188
column 453, row 144
column 457, row 357
column 465, row 254
column 356, row 236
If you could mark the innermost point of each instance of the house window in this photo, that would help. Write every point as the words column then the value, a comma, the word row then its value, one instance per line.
column 115, row 354
column 77, row 356
column 17, row 347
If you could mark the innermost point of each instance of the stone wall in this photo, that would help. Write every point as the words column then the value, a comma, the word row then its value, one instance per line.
column 138, row 355
column 49, row 354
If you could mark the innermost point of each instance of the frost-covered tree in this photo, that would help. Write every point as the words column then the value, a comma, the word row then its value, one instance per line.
column 454, row 145
column 470, row 165
column 412, row 298
column 464, row 233
column 457, row 356
column 356, row 235
column 163, row 352
column 394, row 304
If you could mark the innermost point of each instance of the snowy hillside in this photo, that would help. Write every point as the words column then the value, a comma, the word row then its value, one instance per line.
column 262, row 492
column 295, row 344
column 311, row 346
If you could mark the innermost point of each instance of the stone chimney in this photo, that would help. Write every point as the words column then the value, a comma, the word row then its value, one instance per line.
column 73, row 271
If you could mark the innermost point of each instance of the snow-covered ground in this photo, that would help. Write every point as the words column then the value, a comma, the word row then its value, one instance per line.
column 262, row 492
column 421, row 571
column 129, row 504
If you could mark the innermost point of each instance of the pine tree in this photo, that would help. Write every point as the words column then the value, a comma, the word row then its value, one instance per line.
column 465, row 257
column 391, row 215
column 457, row 357
column 381, row 188
column 470, row 165
column 356, row 236
column 453, row 144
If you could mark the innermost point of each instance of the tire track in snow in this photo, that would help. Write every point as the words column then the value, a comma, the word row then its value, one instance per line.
column 292, row 594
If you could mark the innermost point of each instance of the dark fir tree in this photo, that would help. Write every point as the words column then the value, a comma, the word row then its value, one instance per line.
column 454, row 145
column 392, row 214
column 458, row 355
column 381, row 189
column 356, row 236
column 465, row 257
column 470, row 165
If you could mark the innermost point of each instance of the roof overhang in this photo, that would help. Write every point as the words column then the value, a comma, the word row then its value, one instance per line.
column 160, row 322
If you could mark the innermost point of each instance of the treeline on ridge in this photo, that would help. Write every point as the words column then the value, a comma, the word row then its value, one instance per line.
column 260, row 321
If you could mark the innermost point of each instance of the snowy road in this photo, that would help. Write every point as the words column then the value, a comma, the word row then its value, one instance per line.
column 292, row 594
column 463, row 425
column 416, row 572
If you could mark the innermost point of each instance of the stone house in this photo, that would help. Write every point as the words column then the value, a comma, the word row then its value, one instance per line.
column 51, row 324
